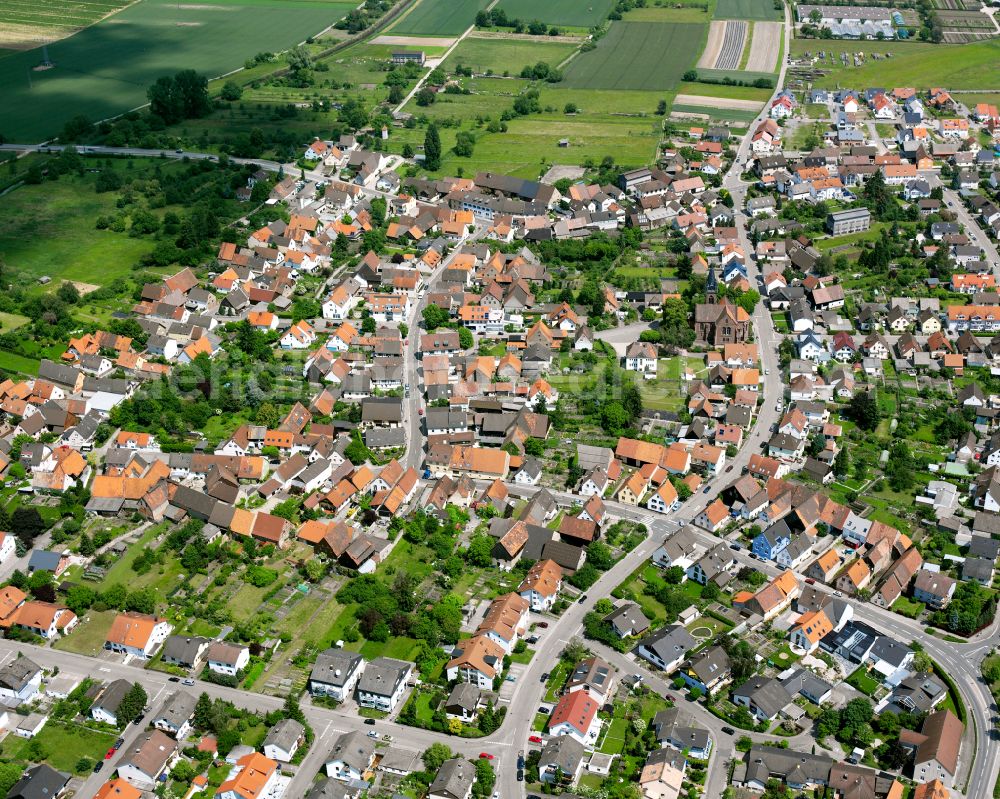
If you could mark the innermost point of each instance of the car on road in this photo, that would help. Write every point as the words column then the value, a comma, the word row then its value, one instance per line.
column 752, row 555
column 420, row 411
column 119, row 743
column 838, row 593
column 173, row 679
column 179, row 152
column 485, row 756
column 544, row 625
column 98, row 766
column 728, row 730
column 544, row 677
column 188, row 681
column 373, row 734
column 706, row 489
column 729, row 468
column 535, row 739
column 670, row 697
column 110, row 753
column 520, row 775
column 736, row 547
column 778, row 406
column 583, row 597
column 810, row 581
column 370, row 722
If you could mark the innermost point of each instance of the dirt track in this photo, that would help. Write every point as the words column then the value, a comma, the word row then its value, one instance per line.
column 716, row 33
column 717, row 102
column 764, row 47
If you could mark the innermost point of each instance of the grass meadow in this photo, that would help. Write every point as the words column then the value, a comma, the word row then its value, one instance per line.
column 105, row 69
column 646, row 56
column 918, row 64
column 507, row 55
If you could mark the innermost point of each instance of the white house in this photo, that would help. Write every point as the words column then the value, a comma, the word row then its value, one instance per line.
column 228, row 659
column 137, row 634
column 335, row 674
column 383, row 683
column 283, row 740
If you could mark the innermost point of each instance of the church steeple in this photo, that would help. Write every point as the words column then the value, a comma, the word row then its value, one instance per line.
column 711, row 286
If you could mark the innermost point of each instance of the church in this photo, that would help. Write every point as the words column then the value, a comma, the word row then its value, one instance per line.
column 719, row 322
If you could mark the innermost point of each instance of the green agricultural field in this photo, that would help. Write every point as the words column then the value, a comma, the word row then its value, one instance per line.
column 48, row 229
column 510, row 55
column 671, row 13
column 747, row 9
column 438, row 18
column 644, row 56
column 705, row 73
column 575, row 13
column 104, row 69
column 959, row 66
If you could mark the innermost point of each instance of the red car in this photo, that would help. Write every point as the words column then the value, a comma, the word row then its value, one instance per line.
column 110, row 753
column 810, row 581
column 535, row 739
column 485, row 756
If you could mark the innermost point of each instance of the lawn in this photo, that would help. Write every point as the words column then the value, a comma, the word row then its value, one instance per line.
column 12, row 321
column 507, row 55
column 12, row 362
column 860, row 680
column 105, row 69
column 747, row 9
column 64, row 744
column 121, row 572
column 438, row 18
column 959, row 66
column 558, row 12
column 614, row 740
column 639, row 55
column 48, row 229
column 908, row 607
column 716, row 114
column 90, row 634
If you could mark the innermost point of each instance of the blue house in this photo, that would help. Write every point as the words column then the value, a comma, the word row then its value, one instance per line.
column 771, row 541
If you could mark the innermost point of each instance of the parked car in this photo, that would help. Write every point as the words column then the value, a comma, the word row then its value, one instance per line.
column 173, row 679
column 373, row 734
column 544, row 625
column 98, row 766
column 520, row 775
column 706, row 489
column 535, row 739
column 485, row 756
column 542, row 709
column 728, row 730
column 188, row 681
column 810, row 581
column 110, row 753
column 736, row 547
column 370, row 722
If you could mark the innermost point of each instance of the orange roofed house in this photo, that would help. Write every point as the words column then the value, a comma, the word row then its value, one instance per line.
column 541, row 585
column 137, row 634
column 253, row 777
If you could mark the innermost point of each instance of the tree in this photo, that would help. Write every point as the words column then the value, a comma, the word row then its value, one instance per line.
column 435, row 755
column 465, row 339
column 434, row 317
column 465, row 143
column 480, row 550
column 863, row 410
column 690, row 75
column 675, row 332
column 614, row 417
column 432, row 148
column 231, row 91
column 842, row 463
column 132, row 704
column 203, row 712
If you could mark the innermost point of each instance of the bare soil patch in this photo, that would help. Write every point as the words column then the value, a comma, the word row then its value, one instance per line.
column 716, row 34
column 415, row 41
column 764, row 47
column 717, row 102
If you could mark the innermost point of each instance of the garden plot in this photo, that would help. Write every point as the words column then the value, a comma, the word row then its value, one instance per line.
column 28, row 23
